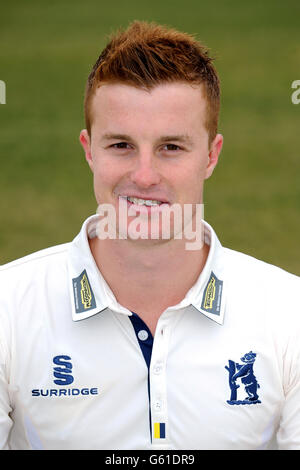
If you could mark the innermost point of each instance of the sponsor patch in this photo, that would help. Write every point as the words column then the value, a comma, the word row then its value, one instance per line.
column 212, row 296
column 83, row 295
column 63, row 377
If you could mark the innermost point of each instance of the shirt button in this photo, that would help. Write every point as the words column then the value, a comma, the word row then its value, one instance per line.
column 143, row 335
column 157, row 369
column 157, row 406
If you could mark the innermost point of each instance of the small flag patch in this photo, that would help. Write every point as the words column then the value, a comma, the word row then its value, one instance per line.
column 159, row 430
column 83, row 295
column 212, row 296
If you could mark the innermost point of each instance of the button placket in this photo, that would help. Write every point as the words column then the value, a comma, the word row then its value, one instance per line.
column 158, row 386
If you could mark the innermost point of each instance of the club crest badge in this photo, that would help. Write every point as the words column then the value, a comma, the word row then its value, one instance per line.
column 244, row 374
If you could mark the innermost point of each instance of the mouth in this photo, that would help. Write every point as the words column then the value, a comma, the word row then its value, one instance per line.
column 132, row 200
column 148, row 207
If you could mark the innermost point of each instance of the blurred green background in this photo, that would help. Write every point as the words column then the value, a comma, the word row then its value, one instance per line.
column 46, row 52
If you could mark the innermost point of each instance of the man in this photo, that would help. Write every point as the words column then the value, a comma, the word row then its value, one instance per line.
column 144, row 342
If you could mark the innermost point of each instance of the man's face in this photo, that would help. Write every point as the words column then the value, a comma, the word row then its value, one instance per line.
column 149, row 145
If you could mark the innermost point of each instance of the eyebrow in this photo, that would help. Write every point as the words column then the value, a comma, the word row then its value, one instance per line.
column 115, row 137
column 183, row 138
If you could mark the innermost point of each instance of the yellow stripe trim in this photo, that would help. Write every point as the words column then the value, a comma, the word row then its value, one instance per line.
column 157, row 430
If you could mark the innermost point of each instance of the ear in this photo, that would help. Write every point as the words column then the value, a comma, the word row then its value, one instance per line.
column 85, row 141
column 213, row 156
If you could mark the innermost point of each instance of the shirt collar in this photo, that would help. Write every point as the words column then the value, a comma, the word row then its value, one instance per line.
column 208, row 293
column 90, row 293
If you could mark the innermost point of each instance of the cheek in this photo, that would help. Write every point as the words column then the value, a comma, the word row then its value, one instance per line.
column 107, row 177
column 190, row 183
column 192, row 173
column 104, row 171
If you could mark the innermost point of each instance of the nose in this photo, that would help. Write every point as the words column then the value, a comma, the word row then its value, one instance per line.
column 145, row 172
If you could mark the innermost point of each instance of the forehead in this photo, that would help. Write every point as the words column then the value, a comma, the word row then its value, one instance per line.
column 168, row 105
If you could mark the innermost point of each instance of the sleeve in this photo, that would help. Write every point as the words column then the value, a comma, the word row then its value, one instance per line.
column 288, row 435
column 5, row 408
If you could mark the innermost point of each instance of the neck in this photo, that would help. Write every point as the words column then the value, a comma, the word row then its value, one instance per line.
column 148, row 279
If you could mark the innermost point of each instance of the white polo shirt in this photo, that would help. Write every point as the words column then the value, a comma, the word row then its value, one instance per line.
column 80, row 371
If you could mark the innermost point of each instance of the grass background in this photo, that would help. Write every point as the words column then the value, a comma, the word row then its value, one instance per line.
column 47, row 50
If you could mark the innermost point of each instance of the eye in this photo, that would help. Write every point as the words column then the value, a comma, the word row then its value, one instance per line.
column 120, row 145
column 171, row 147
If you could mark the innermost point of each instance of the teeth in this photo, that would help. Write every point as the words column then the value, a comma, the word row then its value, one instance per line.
column 146, row 202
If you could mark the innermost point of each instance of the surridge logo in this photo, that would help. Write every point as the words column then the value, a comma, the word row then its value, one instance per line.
column 85, row 292
column 62, row 373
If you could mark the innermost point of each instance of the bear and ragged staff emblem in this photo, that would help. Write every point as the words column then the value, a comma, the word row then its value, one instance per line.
column 245, row 373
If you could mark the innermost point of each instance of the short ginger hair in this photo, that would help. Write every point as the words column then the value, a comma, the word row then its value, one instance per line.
column 146, row 55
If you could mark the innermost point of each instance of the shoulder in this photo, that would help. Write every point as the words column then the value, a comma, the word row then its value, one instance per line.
column 42, row 256
column 243, row 266
column 269, row 290
column 33, row 267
